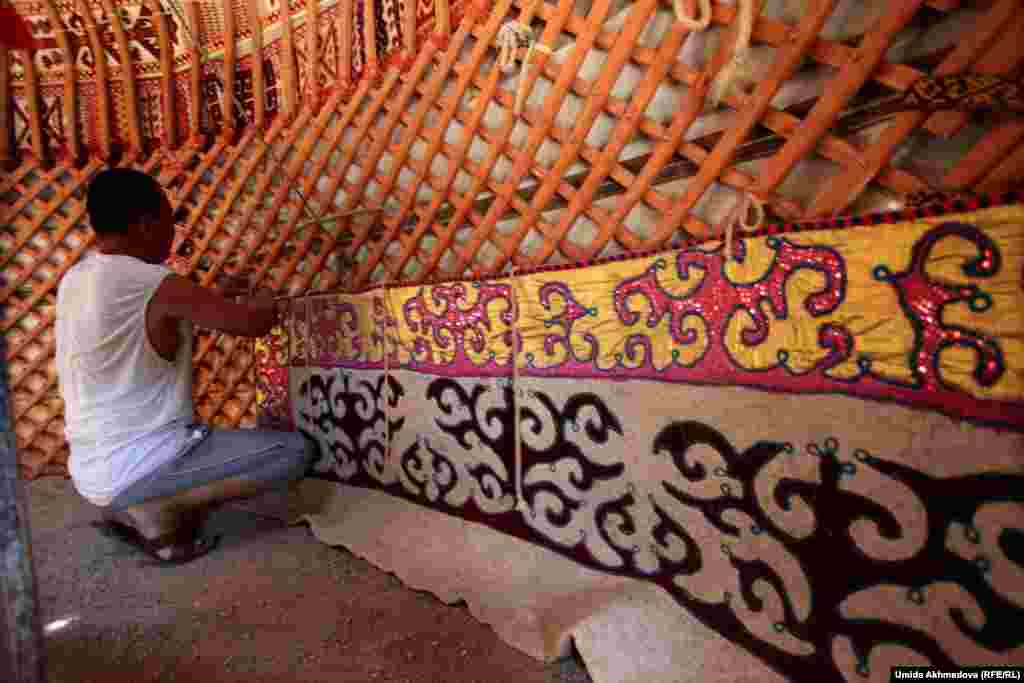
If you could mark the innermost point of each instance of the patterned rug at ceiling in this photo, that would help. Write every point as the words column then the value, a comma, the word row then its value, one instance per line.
column 139, row 23
column 814, row 449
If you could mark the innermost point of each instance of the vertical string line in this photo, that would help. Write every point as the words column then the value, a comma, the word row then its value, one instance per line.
column 521, row 504
column 387, row 377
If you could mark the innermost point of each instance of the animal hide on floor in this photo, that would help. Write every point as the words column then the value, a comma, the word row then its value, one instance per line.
column 806, row 460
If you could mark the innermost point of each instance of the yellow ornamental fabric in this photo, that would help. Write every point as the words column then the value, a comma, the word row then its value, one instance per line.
column 928, row 312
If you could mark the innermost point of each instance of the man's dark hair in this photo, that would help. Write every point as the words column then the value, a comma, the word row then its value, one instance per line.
column 120, row 197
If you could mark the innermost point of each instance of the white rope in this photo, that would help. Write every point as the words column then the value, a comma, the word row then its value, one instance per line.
column 724, row 80
column 512, row 36
column 521, row 92
column 521, row 504
column 739, row 216
column 387, row 378
column 309, row 329
column 701, row 22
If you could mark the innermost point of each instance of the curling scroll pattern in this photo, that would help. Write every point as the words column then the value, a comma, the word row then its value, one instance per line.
column 930, row 317
column 818, row 555
column 810, row 555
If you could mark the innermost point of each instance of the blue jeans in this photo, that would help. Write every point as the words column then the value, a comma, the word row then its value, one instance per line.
column 258, row 455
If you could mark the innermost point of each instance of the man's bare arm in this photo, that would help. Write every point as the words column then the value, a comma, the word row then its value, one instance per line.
column 181, row 299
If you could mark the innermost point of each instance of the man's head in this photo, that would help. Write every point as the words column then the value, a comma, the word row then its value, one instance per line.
column 131, row 215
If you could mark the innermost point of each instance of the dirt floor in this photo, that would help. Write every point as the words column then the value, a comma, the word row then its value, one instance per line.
column 270, row 604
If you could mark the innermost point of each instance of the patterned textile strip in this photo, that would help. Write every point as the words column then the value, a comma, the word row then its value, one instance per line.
column 932, row 319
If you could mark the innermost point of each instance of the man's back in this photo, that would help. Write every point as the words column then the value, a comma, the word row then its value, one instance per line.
column 125, row 406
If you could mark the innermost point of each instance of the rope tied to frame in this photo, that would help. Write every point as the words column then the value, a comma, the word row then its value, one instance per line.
column 740, row 53
column 521, row 503
column 740, row 216
column 385, row 337
column 701, row 22
column 512, row 36
column 740, row 49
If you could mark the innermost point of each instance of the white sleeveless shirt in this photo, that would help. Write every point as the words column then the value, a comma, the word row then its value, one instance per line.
column 126, row 408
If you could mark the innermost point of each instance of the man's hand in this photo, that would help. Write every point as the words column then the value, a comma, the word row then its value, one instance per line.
column 233, row 286
column 266, row 300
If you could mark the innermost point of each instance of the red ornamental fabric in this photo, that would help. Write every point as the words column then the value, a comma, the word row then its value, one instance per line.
column 14, row 31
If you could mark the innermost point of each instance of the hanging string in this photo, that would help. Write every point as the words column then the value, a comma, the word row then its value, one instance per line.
column 521, row 89
column 385, row 337
column 309, row 331
column 740, row 216
column 512, row 36
column 740, row 51
column 521, row 504
column 701, row 22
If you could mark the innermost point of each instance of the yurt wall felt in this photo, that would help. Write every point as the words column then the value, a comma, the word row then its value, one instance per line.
column 831, row 106
column 687, row 330
column 814, row 449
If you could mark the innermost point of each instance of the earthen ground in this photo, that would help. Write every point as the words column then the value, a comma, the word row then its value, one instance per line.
column 270, row 604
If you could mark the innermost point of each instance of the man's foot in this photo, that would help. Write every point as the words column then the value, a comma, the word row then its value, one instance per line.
column 175, row 547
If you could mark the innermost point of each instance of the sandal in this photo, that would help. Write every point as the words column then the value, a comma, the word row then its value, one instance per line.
column 184, row 545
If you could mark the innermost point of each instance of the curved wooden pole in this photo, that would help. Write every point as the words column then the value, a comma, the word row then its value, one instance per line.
column 230, row 57
column 312, row 94
column 6, row 129
column 345, row 42
column 372, row 65
column 103, row 122
column 195, row 80
column 35, row 103
column 259, row 87
column 288, row 68
column 70, row 103
column 167, row 103
column 127, row 78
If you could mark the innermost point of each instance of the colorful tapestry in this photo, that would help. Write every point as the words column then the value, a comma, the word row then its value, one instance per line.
column 766, row 438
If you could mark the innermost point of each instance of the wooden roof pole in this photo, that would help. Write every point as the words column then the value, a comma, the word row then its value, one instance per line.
column 408, row 20
column 227, row 106
column 6, row 129
column 371, row 66
column 70, row 103
column 289, row 72
column 312, row 94
column 170, row 128
column 442, row 18
column 35, row 115
column 128, row 80
column 195, row 76
column 259, row 94
column 345, row 41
